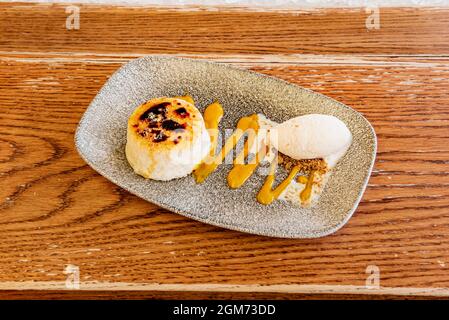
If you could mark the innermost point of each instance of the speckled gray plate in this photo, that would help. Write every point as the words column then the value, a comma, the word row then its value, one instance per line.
column 101, row 138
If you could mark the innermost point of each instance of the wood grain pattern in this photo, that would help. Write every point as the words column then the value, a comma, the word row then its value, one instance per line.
column 149, row 30
column 55, row 210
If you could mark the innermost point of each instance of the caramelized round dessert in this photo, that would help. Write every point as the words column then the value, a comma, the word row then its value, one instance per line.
column 166, row 139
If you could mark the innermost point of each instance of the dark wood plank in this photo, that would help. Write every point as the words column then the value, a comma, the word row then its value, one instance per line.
column 186, row 295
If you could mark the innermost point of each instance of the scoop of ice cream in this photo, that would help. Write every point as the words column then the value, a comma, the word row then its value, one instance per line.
column 313, row 136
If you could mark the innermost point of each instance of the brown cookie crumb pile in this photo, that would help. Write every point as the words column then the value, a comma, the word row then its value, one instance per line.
column 306, row 165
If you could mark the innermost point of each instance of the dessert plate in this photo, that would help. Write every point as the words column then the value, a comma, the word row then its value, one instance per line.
column 101, row 137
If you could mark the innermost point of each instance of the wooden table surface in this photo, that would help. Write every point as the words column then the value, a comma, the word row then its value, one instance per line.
column 56, row 211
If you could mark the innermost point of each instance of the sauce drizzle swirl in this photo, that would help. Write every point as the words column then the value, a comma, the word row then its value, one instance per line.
column 241, row 171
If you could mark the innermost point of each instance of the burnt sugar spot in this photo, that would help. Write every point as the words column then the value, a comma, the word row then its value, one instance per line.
column 153, row 124
column 159, row 136
column 144, row 133
column 182, row 112
column 172, row 125
column 177, row 139
column 155, row 111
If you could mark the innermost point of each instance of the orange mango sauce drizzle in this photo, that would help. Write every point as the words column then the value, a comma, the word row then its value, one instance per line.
column 267, row 194
column 212, row 117
column 306, row 193
column 240, row 171
column 212, row 161
column 302, row 179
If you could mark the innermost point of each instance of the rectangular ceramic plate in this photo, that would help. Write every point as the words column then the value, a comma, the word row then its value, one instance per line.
column 101, row 137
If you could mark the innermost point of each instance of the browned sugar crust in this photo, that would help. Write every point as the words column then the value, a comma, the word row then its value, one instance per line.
column 163, row 121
